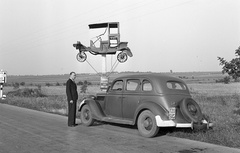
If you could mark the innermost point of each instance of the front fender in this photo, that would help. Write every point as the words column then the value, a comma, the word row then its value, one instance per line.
column 153, row 107
column 95, row 108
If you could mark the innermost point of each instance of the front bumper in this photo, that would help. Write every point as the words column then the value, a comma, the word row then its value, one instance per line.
column 171, row 123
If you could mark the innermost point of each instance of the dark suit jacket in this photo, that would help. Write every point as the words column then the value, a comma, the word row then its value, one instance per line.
column 71, row 90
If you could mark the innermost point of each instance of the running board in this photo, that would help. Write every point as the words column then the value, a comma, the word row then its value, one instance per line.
column 117, row 120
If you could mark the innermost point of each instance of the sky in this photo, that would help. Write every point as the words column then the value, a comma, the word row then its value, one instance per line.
column 37, row 36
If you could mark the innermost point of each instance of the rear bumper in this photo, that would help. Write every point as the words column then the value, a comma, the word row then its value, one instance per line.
column 171, row 123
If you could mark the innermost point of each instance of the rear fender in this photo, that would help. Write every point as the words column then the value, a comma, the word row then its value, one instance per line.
column 153, row 107
column 95, row 108
column 127, row 51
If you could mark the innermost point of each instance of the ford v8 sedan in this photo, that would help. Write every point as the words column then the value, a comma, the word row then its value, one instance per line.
column 150, row 101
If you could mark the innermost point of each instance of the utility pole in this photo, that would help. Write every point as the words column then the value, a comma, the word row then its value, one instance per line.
column 104, row 78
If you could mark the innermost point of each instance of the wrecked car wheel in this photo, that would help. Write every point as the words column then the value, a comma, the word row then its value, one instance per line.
column 86, row 116
column 146, row 124
column 81, row 56
column 122, row 57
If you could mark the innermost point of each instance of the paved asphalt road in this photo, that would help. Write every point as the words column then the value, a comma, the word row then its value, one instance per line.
column 28, row 131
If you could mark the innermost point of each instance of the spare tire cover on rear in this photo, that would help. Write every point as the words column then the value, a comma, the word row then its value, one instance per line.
column 191, row 110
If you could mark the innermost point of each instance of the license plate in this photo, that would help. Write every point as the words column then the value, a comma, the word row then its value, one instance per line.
column 172, row 113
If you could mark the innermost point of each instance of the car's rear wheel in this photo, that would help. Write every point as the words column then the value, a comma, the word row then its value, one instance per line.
column 146, row 124
column 122, row 57
column 86, row 116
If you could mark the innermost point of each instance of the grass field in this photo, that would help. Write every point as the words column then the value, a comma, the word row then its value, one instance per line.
column 221, row 102
column 188, row 77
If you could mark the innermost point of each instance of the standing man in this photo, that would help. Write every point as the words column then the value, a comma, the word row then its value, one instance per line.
column 72, row 96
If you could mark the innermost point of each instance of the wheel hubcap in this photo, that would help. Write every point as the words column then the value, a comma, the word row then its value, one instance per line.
column 86, row 115
column 147, row 124
column 122, row 57
column 192, row 109
column 81, row 57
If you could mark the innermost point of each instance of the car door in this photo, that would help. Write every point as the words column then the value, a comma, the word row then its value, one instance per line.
column 131, row 96
column 113, row 100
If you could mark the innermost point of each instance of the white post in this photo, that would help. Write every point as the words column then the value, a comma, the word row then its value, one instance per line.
column 1, row 90
column 3, row 79
column 104, row 64
column 104, row 79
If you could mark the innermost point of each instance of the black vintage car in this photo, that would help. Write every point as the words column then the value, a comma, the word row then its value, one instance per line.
column 149, row 101
column 106, row 42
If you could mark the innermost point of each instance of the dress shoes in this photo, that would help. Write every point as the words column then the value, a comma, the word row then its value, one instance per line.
column 73, row 125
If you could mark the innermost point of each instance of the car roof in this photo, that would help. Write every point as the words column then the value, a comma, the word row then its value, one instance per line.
column 104, row 25
column 152, row 76
column 156, row 78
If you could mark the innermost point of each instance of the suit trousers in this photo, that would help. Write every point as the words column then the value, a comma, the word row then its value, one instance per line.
column 72, row 113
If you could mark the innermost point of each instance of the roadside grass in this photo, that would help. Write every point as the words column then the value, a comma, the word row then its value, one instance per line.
column 49, row 99
column 50, row 104
column 223, row 111
column 220, row 102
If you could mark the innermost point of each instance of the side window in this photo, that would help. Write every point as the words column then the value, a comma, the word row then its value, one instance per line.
column 176, row 85
column 147, row 86
column 133, row 85
column 118, row 85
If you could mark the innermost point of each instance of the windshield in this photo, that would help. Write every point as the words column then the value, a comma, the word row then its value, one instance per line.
column 97, row 35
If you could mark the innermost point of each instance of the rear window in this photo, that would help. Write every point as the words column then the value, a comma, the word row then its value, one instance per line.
column 147, row 86
column 176, row 85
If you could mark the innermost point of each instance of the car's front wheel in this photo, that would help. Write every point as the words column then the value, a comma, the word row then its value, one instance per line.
column 86, row 116
column 146, row 124
column 81, row 56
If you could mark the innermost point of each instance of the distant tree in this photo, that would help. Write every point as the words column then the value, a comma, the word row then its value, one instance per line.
column 80, row 83
column 57, row 84
column 232, row 68
column 85, row 82
column 226, row 79
column 39, row 87
column 16, row 85
column 7, row 84
column 48, row 84
column 83, row 88
column 22, row 83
